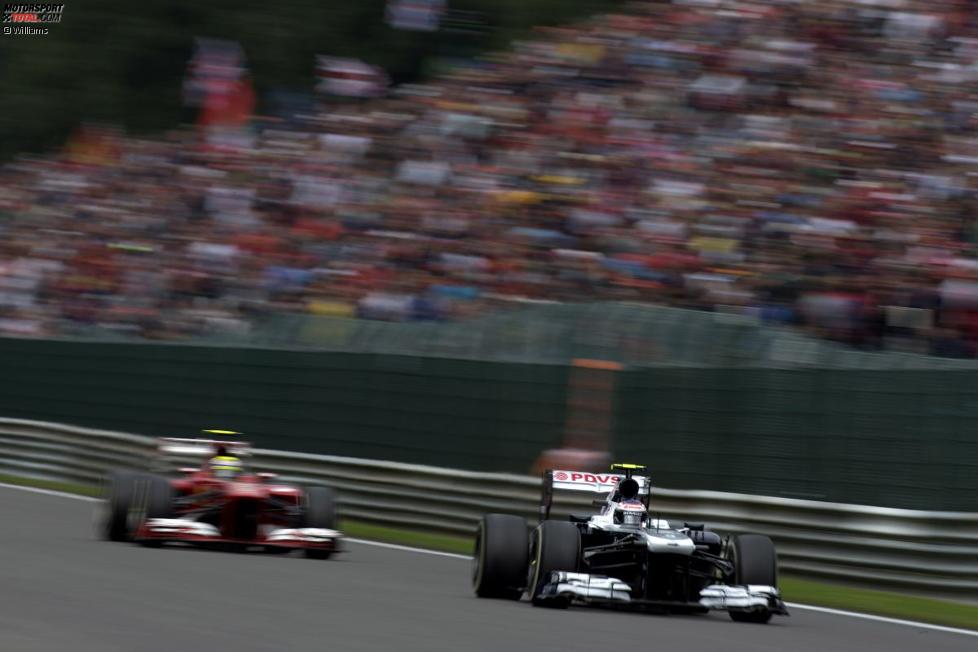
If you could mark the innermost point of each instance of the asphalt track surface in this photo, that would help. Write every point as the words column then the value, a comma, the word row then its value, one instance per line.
column 62, row 590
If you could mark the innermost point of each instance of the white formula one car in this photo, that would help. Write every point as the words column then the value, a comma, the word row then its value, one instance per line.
column 623, row 556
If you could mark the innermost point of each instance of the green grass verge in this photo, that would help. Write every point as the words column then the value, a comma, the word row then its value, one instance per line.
column 794, row 589
column 883, row 603
column 414, row 538
column 54, row 485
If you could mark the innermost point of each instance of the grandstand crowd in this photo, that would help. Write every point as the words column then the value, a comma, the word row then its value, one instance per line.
column 805, row 163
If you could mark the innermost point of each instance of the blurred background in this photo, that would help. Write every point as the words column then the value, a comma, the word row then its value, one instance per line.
column 746, row 228
column 178, row 170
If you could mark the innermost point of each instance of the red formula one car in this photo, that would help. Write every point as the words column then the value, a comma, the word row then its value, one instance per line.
column 219, row 504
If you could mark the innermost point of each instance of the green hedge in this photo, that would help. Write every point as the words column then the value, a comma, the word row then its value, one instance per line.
column 898, row 438
column 481, row 415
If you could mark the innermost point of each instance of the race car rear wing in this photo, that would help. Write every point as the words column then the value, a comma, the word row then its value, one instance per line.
column 600, row 483
column 176, row 453
column 177, row 446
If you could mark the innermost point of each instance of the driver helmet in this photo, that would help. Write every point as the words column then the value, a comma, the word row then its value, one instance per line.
column 630, row 513
column 225, row 466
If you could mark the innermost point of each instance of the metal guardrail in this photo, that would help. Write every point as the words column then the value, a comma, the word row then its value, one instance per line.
column 932, row 552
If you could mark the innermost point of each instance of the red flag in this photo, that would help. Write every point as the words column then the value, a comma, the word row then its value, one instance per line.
column 228, row 104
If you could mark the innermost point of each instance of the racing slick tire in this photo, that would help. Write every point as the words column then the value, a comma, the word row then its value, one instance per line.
column 556, row 547
column 159, row 497
column 755, row 562
column 119, row 499
column 158, row 494
column 320, row 512
column 502, row 554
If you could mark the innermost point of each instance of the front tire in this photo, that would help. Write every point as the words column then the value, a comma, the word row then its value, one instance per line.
column 119, row 499
column 320, row 512
column 502, row 551
column 159, row 496
column 557, row 547
column 755, row 562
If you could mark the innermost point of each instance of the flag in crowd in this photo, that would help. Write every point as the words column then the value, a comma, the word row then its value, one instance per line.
column 218, row 84
column 349, row 77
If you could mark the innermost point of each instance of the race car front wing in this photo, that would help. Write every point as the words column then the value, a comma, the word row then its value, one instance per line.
column 188, row 530
column 609, row 591
column 585, row 588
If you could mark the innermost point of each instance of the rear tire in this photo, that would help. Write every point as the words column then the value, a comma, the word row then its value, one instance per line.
column 120, row 494
column 502, row 552
column 755, row 562
column 557, row 547
column 320, row 512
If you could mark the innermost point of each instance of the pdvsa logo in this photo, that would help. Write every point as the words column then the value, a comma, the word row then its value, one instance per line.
column 592, row 478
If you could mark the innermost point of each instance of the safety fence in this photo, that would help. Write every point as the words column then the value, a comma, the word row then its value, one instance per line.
column 549, row 332
column 934, row 552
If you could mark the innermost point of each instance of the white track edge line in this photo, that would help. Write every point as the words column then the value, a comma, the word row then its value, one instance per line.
column 395, row 546
column 452, row 555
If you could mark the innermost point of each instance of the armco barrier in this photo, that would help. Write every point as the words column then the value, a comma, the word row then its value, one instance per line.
column 934, row 552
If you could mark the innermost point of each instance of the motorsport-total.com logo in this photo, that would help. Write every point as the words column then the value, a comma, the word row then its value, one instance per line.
column 30, row 18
